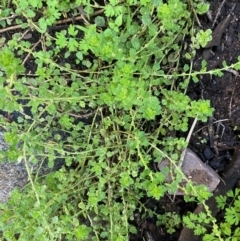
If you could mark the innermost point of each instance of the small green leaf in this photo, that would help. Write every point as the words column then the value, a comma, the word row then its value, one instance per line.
column 185, row 67
column 82, row 232
column 55, row 220
column 72, row 31
column 42, row 25
column 118, row 20
column 100, row 21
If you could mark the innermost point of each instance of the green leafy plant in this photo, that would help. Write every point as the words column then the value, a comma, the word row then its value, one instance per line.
column 202, row 38
column 170, row 220
column 227, row 229
column 106, row 96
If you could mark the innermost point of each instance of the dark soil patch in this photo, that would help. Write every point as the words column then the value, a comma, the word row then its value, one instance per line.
column 223, row 92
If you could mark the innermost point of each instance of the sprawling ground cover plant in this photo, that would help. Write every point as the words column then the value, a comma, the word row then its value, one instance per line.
column 228, row 229
column 106, row 93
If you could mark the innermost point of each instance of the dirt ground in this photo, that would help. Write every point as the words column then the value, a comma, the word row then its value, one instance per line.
column 223, row 92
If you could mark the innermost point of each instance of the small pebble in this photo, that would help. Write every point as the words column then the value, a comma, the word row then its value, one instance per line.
column 206, row 54
column 207, row 152
column 229, row 41
column 217, row 49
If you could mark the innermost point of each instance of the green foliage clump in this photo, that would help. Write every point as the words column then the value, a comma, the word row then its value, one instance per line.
column 106, row 96
column 228, row 229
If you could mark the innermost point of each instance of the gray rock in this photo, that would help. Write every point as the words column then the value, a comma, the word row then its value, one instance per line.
column 195, row 170
column 14, row 174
